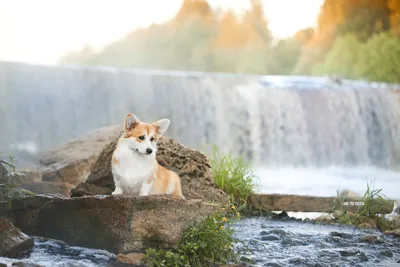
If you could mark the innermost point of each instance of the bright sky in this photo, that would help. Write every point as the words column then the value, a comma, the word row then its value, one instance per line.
column 41, row 31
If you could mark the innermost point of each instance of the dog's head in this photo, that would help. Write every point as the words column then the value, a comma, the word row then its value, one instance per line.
column 142, row 137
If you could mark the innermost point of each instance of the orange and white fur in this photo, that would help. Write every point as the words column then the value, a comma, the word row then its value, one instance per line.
column 134, row 166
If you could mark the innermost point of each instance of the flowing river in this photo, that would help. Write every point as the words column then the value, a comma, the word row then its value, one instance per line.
column 273, row 243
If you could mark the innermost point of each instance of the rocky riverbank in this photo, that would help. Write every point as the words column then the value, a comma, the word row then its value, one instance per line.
column 92, row 217
column 71, row 202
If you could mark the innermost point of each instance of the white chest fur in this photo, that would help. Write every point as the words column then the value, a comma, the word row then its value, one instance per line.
column 132, row 171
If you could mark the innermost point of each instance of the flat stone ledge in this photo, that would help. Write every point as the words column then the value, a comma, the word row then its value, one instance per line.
column 119, row 224
column 299, row 203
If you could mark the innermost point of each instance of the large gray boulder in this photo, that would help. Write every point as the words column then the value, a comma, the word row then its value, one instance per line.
column 192, row 166
column 13, row 242
column 117, row 224
column 71, row 162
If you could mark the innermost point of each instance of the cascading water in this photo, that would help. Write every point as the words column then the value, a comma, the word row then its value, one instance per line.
column 280, row 123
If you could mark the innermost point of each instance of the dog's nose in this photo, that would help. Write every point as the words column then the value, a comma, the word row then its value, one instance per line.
column 149, row 151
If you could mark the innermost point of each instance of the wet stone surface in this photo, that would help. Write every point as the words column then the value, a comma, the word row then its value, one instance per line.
column 53, row 253
column 292, row 243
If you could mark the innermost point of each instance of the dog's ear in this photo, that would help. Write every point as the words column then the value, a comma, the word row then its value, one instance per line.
column 161, row 126
column 131, row 121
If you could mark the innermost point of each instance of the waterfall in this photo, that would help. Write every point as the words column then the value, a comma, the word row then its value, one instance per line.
column 272, row 120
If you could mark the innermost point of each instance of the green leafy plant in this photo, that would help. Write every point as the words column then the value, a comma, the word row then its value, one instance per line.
column 212, row 241
column 373, row 204
column 10, row 164
column 11, row 168
column 7, row 185
column 234, row 176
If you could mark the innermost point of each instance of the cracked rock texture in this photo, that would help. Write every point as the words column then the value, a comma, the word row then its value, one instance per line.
column 117, row 224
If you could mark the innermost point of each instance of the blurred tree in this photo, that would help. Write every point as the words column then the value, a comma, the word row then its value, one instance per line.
column 376, row 60
column 199, row 38
column 304, row 36
column 284, row 56
column 380, row 60
column 254, row 59
column 189, row 47
column 193, row 9
column 226, row 59
column 394, row 6
column 141, row 48
column 342, row 58
column 237, row 32
column 78, row 57
column 243, row 44
column 361, row 17
column 365, row 18
column 255, row 18
column 231, row 32
column 310, row 56
column 316, row 47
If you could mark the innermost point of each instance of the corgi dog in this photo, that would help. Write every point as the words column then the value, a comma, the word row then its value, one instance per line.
column 134, row 167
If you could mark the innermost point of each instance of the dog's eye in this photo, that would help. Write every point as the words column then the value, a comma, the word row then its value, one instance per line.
column 152, row 139
column 141, row 137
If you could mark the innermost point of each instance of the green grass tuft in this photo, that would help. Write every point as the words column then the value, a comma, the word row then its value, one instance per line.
column 6, row 186
column 373, row 204
column 234, row 176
